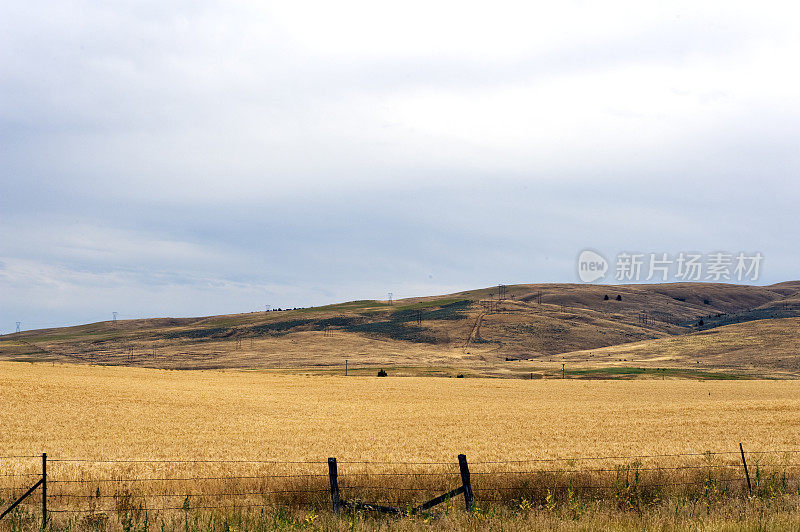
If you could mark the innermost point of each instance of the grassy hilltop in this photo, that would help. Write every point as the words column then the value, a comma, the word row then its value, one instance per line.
column 681, row 329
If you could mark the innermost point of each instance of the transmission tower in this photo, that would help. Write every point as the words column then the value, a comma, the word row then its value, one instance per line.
column 18, row 324
column 391, row 295
column 501, row 292
column 115, row 318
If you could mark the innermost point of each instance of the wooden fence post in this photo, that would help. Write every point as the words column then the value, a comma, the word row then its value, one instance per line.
column 44, row 490
column 334, row 474
column 462, row 463
column 746, row 473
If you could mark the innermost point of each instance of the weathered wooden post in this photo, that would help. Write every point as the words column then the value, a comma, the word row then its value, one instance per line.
column 44, row 490
column 746, row 473
column 334, row 474
column 465, row 481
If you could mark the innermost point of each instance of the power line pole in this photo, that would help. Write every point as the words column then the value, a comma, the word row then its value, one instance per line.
column 391, row 295
column 18, row 324
column 115, row 318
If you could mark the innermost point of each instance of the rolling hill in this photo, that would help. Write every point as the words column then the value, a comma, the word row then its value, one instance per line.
column 515, row 331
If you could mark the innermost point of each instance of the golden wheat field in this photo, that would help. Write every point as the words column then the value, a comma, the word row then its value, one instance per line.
column 244, row 440
column 111, row 412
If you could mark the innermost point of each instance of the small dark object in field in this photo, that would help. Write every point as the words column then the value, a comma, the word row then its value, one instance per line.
column 706, row 302
column 605, row 297
column 382, row 373
column 619, row 297
column 460, row 376
column 700, row 323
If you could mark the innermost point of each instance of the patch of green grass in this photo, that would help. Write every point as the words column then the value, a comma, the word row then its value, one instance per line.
column 713, row 321
column 396, row 331
column 432, row 303
column 71, row 333
column 211, row 332
column 628, row 371
column 454, row 310
column 337, row 321
column 278, row 326
column 364, row 304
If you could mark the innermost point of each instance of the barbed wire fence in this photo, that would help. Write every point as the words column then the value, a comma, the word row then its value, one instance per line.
column 91, row 487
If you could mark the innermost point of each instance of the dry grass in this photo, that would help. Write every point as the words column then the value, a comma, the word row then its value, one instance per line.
column 674, row 515
column 89, row 411
column 542, row 325
column 79, row 411
column 769, row 346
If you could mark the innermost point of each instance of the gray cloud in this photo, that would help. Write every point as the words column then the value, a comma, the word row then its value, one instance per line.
column 195, row 158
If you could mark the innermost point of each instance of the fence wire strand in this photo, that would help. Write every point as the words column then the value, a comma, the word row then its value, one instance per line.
column 554, row 478
column 673, row 455
column 183, row 479
column 184, row 495
column 604, row 470
column 166, row 461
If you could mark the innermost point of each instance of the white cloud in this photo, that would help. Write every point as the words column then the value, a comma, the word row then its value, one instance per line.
column 332, row 151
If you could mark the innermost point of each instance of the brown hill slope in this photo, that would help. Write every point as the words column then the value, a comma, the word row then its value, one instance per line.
column 477, row 329
column 769, row 346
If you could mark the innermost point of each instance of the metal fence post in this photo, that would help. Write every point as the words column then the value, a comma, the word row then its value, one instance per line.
column 465, row 481
column 333, row 473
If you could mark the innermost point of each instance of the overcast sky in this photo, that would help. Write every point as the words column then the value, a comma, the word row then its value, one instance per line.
column 193, row 158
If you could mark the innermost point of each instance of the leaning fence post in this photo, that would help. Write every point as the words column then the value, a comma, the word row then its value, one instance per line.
column 334, row 474
column 746, row 473
column 462, row 463
column 44, row 490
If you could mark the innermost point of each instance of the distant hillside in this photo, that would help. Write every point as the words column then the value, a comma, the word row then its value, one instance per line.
column 768, row 347
column 480, row 330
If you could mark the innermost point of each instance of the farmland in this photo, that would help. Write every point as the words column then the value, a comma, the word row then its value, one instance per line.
column 112, row 413
column 123, row 412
